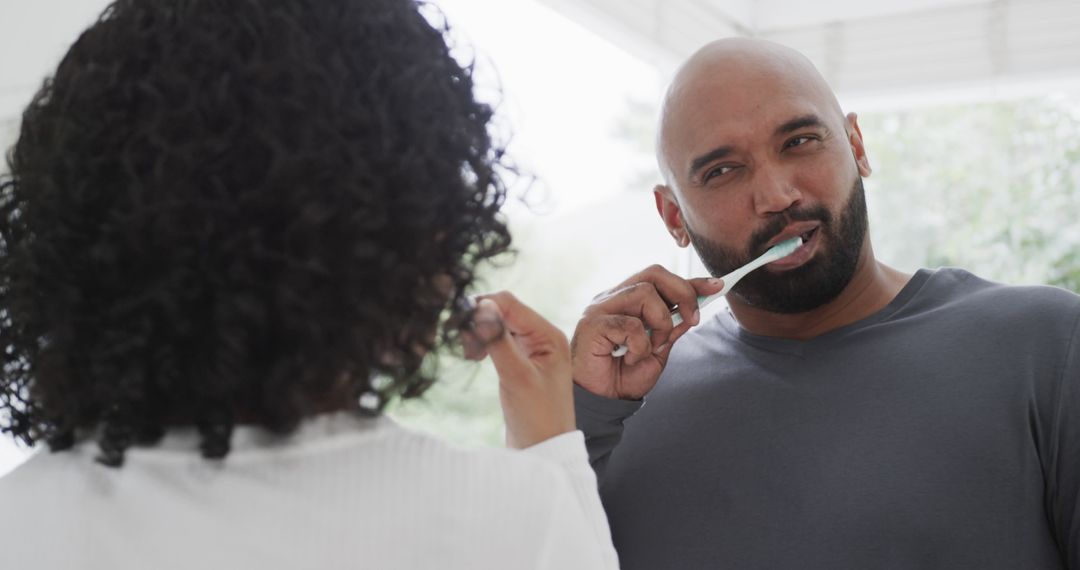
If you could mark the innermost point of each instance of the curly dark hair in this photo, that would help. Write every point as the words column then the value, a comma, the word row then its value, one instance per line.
column 224, row 211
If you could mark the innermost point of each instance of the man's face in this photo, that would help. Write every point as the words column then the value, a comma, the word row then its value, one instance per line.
column 811, row 284
column 756, row 156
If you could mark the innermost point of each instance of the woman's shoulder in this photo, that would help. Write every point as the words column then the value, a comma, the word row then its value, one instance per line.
column 494, row 464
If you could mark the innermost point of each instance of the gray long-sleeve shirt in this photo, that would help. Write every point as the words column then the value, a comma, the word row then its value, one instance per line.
column 941, row 432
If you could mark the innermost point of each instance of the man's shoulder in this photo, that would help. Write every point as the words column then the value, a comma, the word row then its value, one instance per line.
column 989, row 301
column 969, row 286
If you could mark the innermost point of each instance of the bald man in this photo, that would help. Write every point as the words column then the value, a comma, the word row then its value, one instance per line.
column 841, row 413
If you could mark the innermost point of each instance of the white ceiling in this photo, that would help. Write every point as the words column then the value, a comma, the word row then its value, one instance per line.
column 772, row 15
column 864, row 48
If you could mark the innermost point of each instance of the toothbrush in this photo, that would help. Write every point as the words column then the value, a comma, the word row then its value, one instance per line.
column 778, row 251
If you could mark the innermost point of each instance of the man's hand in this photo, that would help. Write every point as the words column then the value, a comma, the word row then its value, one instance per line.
column 621, row 316
column 532, row 359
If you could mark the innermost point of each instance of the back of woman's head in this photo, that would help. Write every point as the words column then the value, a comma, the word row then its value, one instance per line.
column 237, row 210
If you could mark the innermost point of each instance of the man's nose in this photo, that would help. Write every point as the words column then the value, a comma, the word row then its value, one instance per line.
column 774, row 191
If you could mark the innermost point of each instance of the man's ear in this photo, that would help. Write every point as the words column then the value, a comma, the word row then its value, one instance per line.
column 857, row 149
column 668, row 208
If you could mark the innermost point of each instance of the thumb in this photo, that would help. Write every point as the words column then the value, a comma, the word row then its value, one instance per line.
column 508, row 358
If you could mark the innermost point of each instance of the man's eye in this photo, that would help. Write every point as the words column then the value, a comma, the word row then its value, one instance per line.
column 715, row 172
column 798, row 141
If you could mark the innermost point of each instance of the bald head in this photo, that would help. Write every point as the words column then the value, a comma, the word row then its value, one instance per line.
column 728, row 82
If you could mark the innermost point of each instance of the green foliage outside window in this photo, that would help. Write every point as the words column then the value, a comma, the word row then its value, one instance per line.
column 991, row 187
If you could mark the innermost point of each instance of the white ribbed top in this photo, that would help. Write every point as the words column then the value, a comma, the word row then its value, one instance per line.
column 342, row 492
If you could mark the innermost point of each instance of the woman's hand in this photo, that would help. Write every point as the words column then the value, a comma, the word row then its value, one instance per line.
column 532, row 358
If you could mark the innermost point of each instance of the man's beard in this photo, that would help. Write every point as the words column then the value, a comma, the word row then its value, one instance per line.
column 808, row 286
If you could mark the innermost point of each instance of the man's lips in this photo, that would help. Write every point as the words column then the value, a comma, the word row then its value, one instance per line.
column 798, row 229
column 809, row 233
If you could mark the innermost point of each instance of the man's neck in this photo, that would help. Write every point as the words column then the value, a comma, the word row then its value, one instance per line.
column 873, row 286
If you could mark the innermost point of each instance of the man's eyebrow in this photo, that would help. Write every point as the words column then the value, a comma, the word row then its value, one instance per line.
column 714, row 154
column 797, row 123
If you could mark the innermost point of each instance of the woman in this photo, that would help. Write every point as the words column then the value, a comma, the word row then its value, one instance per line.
column 235, row 230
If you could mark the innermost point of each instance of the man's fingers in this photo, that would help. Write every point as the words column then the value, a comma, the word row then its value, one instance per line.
column 680, row 293
column 641, row 301
column 654, row 312
column 638, row 314
column 672, row 290
column 605, row 332
column 689, row 310
column 705, row 286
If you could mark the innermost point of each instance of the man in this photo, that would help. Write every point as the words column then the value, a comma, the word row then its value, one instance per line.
column 842, row 414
